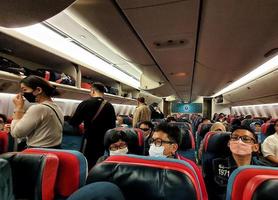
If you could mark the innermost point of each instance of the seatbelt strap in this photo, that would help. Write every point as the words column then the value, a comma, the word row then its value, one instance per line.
column 84, row 142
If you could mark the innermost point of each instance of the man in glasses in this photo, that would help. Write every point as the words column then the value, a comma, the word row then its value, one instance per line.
column 270, row 146
column 243, row 144
column 164, row 141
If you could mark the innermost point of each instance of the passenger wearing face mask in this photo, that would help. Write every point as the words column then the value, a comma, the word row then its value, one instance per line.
column 42, row 122
column 164, row 143
column 115, row 144
column 243, row 145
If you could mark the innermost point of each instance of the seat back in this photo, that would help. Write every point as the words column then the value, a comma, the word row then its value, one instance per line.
column 187, row 145
column 182, row 125
column 215, row 146
column 203, row 129
column 241, row 176
column 4, row 142
column 6, row 183
column 96, row 191
column 72, row 137
column 261, row 187
column 72, row 171
column 33, row 175
column 148, row 177
column 264, row 127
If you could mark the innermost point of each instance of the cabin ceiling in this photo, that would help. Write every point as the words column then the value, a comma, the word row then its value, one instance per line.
column 189, row 48
column 160, row 37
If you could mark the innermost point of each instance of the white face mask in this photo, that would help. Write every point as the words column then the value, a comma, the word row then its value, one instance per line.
column 156, row 151
column 119, row 152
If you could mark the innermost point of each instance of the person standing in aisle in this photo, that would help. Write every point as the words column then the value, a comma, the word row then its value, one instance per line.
column 98, row 116
column 42, row 122
column 142, row 112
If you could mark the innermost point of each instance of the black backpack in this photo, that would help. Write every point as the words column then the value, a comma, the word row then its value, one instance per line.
column 10, row 66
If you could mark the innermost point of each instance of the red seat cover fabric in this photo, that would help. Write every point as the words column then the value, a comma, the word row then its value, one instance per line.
column 253, row 184
column 4, row 142
column 37, row 172
column 68, row 177
column 199, row 175
column 241, row 176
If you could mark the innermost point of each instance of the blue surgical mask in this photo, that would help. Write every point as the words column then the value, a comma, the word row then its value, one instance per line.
column 156, row 151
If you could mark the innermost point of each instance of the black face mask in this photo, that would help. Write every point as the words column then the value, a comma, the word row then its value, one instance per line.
column 30, row 97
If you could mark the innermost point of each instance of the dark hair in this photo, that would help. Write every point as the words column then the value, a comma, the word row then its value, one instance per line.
column 4, row 117
column 148, row 123
column 99, row 87
column 248, row 128
column 35, row 81
column 141, row 99
column 173, row 132
column 236, row 122
column 112, row 136
column 169, row 119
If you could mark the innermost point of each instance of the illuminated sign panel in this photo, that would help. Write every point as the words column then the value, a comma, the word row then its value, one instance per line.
column 187, row 108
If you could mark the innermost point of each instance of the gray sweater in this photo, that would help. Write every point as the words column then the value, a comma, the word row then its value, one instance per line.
column 40, row 125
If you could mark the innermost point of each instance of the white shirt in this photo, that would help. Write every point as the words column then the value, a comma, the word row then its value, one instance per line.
column 270, row 146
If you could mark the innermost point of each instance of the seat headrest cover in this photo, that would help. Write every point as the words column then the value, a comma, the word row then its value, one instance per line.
column 204, row 129
column 98, row 191
column 148, row 178
column 217, row 142
column 261, row 187
column 183, row 125
column 4, row 142
column 34, row 175
column 72, row 171
column 187, row 140
column 267, row 190
column 242, row 175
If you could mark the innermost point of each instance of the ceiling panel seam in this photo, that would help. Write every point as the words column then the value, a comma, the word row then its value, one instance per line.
column 196, row 46
column 155, row 5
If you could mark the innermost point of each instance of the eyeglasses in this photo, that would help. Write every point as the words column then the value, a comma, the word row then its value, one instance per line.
column 159, row 142
column 244, row 138
column 116, row 147
column 145, row 129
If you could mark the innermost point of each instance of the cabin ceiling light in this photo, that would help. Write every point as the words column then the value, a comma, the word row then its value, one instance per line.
column 43, row 37
column 258, row 105
column 265, row 68
column 178, row 74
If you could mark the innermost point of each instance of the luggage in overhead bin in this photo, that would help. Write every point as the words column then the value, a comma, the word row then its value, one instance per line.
column 55, row 76
column 112, row 90
column 10, row 66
